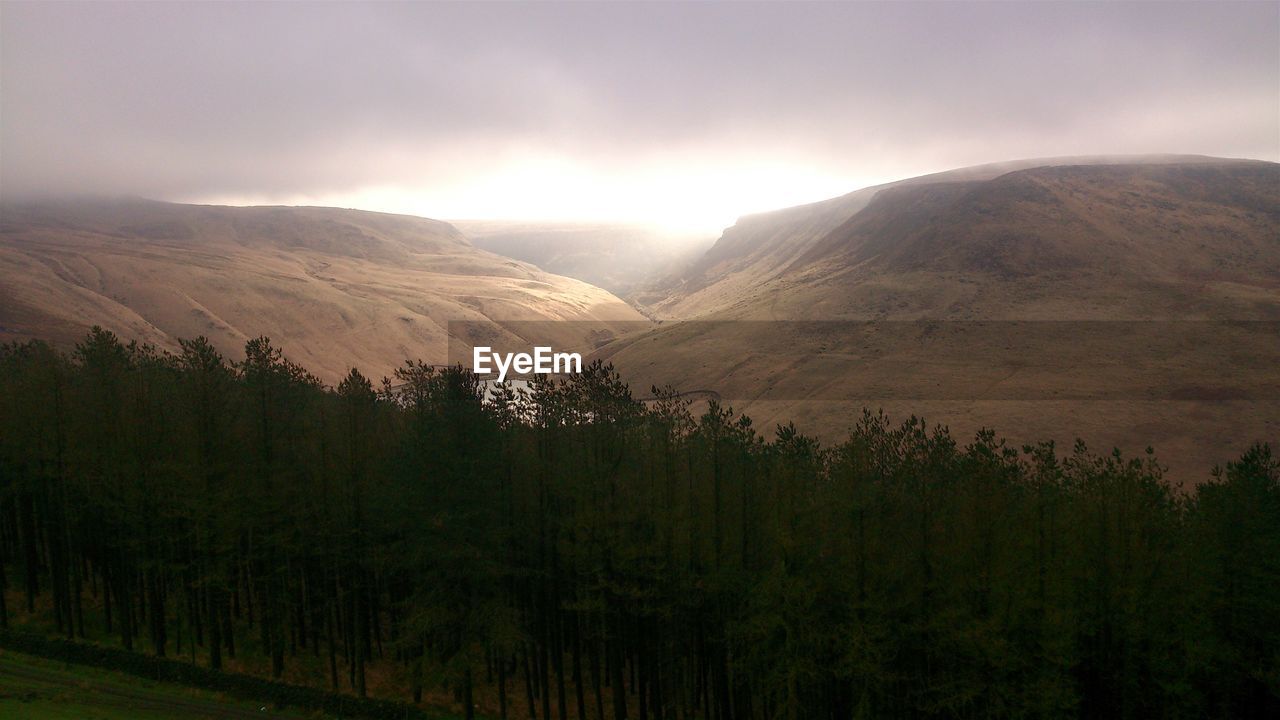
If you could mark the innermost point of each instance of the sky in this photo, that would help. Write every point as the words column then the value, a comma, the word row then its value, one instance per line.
column 684, row 116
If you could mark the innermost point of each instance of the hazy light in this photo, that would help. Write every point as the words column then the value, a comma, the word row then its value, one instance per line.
column 686, row 115
column 699, row 199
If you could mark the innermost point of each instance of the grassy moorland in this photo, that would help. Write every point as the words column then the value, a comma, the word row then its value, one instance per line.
column 33, row 688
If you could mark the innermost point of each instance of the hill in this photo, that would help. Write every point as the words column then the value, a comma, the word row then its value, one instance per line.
column 751, row 258
column 336, row 288
column 1107, row 297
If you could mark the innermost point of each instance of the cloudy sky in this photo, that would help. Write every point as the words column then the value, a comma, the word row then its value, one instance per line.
column 686, row 115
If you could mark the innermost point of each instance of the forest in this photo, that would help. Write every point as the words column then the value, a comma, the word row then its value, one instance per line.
column 573, row 552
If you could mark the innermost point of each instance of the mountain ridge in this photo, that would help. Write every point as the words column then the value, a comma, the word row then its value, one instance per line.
column 762, row 246
column 1033, row 299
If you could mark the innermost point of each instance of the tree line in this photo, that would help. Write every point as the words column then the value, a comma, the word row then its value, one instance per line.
column 571, row 552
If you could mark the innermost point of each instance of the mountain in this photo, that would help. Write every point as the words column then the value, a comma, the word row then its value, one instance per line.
column 1102, row 295
column 617, row 257
column 335, row 288
column 757, row 259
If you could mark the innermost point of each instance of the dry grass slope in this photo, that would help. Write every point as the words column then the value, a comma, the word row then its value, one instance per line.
column 336, row 288
column 1071, row 246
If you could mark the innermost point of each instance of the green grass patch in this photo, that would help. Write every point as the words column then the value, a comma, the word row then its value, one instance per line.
column 33, row 688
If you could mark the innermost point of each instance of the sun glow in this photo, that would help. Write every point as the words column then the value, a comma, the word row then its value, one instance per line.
column 687, row 198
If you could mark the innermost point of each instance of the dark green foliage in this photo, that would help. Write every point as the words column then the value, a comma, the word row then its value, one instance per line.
column 571, row 552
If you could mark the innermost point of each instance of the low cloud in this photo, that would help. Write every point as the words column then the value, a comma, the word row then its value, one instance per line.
column 444, row 108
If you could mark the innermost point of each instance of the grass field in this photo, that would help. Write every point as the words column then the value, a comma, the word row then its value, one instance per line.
column 34, row 688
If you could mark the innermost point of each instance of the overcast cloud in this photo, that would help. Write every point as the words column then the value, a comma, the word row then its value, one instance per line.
column 693, row 113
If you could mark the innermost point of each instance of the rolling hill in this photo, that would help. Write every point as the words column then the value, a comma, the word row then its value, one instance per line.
column 1130, row 302
column 763, row 256
column 335, row 288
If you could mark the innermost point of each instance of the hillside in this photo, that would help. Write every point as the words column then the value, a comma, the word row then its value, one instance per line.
column 1102, row 297
column 765, row 248
column 336, row 288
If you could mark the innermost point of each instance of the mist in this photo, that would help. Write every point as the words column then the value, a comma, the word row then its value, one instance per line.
column 682, row 115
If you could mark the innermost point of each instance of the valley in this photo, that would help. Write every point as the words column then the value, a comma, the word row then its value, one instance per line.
column 1125, row 281
column 640, row 360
